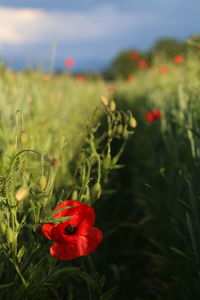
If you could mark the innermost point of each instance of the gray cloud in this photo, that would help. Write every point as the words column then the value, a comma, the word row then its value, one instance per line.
column 21, row 26
column 96, row 33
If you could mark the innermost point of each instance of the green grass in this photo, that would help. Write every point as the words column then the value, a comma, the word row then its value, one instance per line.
column 149, row 211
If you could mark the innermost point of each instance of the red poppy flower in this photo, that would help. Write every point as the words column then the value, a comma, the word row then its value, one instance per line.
column 142, row 64
column 198, row 47
column 130, row 78
column 164, row 69
column 134, row 56
column 80, row 77
column 75, row 237
column 153, row 115
column 178, row 59
column 149, row 117
column 156, row 114
column 69, row 62
column 53, row 161
column 111, row 89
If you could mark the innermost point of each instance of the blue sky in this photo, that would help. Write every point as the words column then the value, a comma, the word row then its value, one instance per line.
column 90, row 31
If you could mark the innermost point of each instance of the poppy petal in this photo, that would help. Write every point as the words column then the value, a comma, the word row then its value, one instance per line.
column 66, row 203
column 47, row 229
column 94, row 238
column 81, row 246
column 87, row 221
column 83, row 216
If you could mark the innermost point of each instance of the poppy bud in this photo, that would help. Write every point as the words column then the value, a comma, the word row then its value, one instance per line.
column 21, row 194
column 9, row 235
column 96, row 190
column 74, row 195
column 2, row 228
column 87, row 196
column 53, row 161
column 107, row 161
column 125, row 134
column 23, row 138
column 132, row 122
column 104, row 100
column 119, row 129
column 42, row 182
column 112, row 105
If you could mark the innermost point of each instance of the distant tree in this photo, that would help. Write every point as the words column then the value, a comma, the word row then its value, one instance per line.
column 126, row 63
column 169, row 47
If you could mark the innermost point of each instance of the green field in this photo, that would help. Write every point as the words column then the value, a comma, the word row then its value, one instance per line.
column 147, row 200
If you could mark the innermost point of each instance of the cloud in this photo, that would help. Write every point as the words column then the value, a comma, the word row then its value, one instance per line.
column 21, row 26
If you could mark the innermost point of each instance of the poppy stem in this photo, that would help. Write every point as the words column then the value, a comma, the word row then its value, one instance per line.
column 94, row 272
column 21, row 276
column 88, row 286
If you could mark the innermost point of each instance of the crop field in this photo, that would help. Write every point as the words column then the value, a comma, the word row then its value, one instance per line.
column 119, row 164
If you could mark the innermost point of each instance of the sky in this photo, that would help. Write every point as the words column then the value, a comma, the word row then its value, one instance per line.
column 92, row 32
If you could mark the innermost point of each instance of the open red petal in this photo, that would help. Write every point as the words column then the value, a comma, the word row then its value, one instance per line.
column 87, row 220
column 65, row 212
column 83, row 216
column 79, row 246
column 94, row 238
column 47, row 229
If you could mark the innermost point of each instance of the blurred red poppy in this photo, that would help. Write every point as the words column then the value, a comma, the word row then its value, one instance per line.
column 156, row 114
column 80, row 77
column 134, row 55
column 178, row 59
column 69, row 62
column 53, row 161
column 153, row 115
column 149, row 117
column 111, row 89
column 75, row 237
column 164, row 69
column 142, row 64
column 46, row 78
column 130, row 78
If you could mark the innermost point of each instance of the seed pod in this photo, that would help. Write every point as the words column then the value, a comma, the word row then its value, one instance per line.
column 112, row 105
column 96, row 190
column 119, row 129
column 9, row 235
column 86, row 196
column 132, row 122
column 2, row 228
column 23, row 138
column 107, row 161
column 21, row 194
column 42, row 182
column 125, row 134
column 104, row 100
column 53, row 161
column 74, row 195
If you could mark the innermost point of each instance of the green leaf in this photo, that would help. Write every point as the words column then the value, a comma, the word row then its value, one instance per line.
column 64, row 271
column 109, row 192
column 51, row 219
column 88, row 279
column 56, row 211
column 107, row 295
column 102, row 280
column 56, row 220
column 6, row 285
column 21, row 253
column 181, row 253
column 116, row 166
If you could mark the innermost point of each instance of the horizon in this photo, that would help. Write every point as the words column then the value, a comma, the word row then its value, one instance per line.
column 43, row 34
